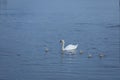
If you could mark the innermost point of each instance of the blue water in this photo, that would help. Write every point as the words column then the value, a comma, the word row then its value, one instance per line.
column 27, row 27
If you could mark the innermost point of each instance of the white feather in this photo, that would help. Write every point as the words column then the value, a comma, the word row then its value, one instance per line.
column 70, row 47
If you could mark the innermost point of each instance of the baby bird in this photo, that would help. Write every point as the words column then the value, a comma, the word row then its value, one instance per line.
column 101, row 55
column 90, row 56
column 81, row 52
column 46, row 49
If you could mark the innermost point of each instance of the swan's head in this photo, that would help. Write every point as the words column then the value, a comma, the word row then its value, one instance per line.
column 62, row 41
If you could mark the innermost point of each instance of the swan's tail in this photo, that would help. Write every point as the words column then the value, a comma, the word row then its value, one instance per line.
column 76, row 45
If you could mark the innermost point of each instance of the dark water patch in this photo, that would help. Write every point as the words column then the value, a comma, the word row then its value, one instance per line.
column 77, row 30
column 5, row 52
column 91, row 24
column 18, row 54
column 32, row 64
column 113, row 26
column 86, row 24
column 106, row 38
column 112, row 66
column 117, row 43
column 82, row 23
column 4, row 55
column 15, row 14
column 94, row 48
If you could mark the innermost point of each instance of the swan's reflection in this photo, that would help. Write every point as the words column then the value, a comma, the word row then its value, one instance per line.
column 68, row 56
column 70, row 52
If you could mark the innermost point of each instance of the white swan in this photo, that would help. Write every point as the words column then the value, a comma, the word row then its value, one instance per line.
column 69, row 47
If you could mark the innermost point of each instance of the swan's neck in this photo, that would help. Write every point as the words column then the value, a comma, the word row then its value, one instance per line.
column 63, row 44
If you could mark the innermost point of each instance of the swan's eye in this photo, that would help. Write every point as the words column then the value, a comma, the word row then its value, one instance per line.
column 60, row 41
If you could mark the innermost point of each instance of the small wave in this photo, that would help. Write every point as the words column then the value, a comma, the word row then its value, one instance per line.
column 111, row 66
column 113, row 26
column 32, row 64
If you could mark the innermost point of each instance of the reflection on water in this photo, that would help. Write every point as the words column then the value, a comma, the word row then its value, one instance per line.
column 69, row 52
column 30, row 32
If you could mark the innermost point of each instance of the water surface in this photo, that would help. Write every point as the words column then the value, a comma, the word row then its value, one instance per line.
column 28, row 26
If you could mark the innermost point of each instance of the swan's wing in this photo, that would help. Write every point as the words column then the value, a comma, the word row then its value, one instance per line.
column 71, row 47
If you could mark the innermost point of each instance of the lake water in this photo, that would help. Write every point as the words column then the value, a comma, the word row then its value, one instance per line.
column 27, row 27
